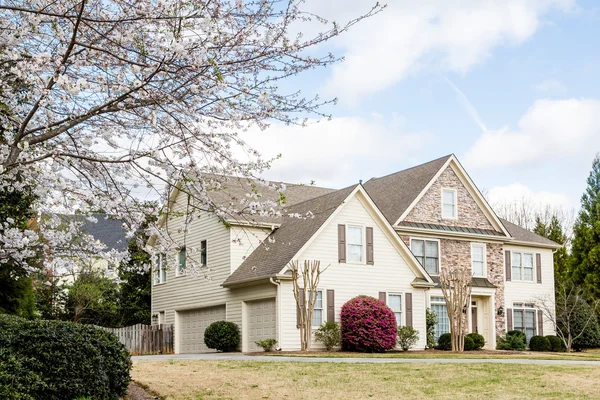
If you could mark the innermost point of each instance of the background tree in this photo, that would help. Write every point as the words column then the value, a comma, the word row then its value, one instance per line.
column 121, row 97
column 574, row 319
column 93, row 299
column 455, row 282
column 585, row 247
column 135, row 287
column 554, row 232
column 50, row 295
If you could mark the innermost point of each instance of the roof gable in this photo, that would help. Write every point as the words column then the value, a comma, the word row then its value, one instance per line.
column 295, row 235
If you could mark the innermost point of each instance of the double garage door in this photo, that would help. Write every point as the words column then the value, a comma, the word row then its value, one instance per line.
column 261, row 324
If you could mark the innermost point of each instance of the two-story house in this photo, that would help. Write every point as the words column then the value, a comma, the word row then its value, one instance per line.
column 388, row 238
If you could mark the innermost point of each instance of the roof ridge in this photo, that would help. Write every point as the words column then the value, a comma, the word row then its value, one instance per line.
column 323, row 195
column 270, row 180
column 413, row 167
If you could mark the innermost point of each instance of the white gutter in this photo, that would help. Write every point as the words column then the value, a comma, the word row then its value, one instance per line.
column 277, row 283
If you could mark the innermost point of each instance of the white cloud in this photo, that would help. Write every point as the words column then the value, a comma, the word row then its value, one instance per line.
column 339, row 152
column 451, row 35
column 550, row 86
column 550, row 131
column 517, row 193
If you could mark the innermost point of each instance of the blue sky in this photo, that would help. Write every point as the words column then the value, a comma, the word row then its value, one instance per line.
column 510, row 87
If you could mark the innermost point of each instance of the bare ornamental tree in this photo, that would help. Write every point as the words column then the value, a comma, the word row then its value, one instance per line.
column 456, row 287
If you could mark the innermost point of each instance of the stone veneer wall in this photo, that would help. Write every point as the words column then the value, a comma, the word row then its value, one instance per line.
column 459, row 251
column 429, row 209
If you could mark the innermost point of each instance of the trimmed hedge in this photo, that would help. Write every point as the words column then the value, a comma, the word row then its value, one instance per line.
column 368, row 325
column 539, row 343
column 444, row 342
column 514, row 340
column 222, row 336
column 556, row 343
column 478, row 341
column 58, row 360
column 469, row 344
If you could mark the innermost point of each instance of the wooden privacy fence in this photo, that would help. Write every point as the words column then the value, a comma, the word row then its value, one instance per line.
column 146, row 339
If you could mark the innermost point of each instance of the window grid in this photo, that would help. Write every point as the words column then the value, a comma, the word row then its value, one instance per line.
column 203, row 253
column 427, row 253
column 182, row 262
column 160, row 272
column 478, row 259
column 449, row 203
column 317, row 317
column 522, row 266
column 395, row 303
column 355, row 243
column 524, row 319
column 438, row 306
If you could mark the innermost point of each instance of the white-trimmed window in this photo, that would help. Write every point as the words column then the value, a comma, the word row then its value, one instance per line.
column 449, row 200
column 203, row 253
column 524, row 319
column 160, row 272
column 478, row 259
column 427, row 253
column 355, row 243
column 522, row 266
column 395, row 303
column 317, row 317
column 181, row 262
column 438, row 306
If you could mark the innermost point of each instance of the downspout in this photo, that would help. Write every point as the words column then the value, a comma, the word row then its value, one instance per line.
column 277, row 283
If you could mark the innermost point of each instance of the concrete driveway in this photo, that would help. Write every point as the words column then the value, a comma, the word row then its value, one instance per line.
column 244, row 357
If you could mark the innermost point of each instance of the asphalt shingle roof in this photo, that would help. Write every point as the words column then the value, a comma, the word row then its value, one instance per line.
column 107, row 230
column 525, row 235
column 284, row 242
column 394, row 193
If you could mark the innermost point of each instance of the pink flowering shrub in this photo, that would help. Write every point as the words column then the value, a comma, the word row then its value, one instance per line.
column 368, row 325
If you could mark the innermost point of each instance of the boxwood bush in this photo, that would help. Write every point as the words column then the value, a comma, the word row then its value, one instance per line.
column 514, row 340
column 539, row 343
column 368, row 325
column 478, row 341
column 58, row 360
column 556, row 343
column 222, row 336
column 444, row 342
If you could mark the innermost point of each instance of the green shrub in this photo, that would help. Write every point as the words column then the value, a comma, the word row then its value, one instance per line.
column 514, row 340
column 469, row 344
column 445, row 342
column 267, row 344
column 58, row 360
column 556, row 343
column 478, row 341
column 431, row 322
column 539, row 343
column 222, row 336
column 407, row 337
column 330, row 334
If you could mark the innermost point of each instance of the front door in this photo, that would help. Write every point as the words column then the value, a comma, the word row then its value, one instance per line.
column 474, row 327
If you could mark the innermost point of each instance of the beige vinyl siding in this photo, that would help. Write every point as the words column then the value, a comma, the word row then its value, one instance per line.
column 531, row 291
column 243, row 242
column 188, row 292
column 389, row 273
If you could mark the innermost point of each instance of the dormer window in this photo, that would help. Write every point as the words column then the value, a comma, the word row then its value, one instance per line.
column 449, row 209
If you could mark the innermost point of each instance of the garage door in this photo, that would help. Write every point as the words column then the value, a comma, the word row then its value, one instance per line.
column 262, row 322
column 192, row 325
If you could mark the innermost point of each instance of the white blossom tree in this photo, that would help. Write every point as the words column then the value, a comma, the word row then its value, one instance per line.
column 106, row 102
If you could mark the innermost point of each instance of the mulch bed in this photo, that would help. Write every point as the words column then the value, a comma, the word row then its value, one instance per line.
column 413, row 352
column 136, row 392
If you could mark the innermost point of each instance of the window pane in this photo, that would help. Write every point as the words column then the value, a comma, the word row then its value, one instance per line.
column 431, row 265
column 477, row 253
column 448, row 211
column 418, row 248
column 398, row 318
column 516, row 273
column 395, row 302
column 355, row 235
column 527, row 274
column 528, row 260
column 518, row 319
column 317, row 319
column 443, row 323
column 319, row 301
column 182, row 260
column 431, row 249
column 354, row 252
column 477, row 268
column 516, row 259
column 530, row 319
column 449, row 197
column 421, row 260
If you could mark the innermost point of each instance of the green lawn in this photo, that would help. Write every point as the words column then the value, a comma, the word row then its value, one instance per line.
column 591, row 355
column 220, row 380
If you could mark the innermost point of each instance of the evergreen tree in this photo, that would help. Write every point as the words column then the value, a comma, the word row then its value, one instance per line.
column 585, row 249
column 554, row 232
column 135, row 291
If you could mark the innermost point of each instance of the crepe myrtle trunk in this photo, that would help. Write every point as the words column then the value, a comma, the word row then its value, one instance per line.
column 455, row 282
column 305, row 279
